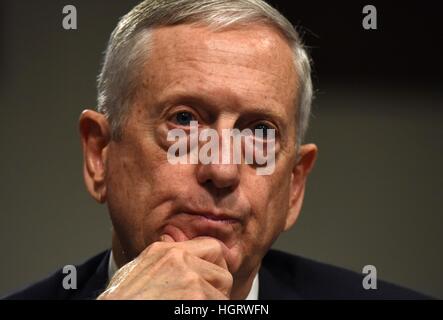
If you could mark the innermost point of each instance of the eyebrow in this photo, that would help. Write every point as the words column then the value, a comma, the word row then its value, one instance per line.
column 203, row 101
column 267, row 112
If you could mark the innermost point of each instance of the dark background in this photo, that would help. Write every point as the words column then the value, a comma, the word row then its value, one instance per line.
column 373, row 198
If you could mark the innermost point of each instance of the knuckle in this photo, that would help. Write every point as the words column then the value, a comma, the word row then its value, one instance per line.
column 216, row 246
column 175, row 253
column 229, row 279
column 226, row 283
column 155, row 246
column 192, row 278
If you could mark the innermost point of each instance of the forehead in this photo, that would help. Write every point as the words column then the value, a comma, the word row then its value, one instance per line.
column 248, row 65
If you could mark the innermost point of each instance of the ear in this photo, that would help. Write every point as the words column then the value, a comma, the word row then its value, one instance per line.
column 304, row 163
column 95, row 138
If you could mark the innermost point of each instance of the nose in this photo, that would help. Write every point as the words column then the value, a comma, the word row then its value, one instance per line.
column 224, row 174
column 221, row 176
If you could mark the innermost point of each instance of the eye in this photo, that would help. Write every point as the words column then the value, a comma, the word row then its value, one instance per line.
column 262, row 130
column 184, row 118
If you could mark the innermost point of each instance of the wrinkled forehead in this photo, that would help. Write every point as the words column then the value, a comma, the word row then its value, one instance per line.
column 256, row 57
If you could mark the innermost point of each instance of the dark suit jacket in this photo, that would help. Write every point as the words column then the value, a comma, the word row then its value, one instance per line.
column 281, row 276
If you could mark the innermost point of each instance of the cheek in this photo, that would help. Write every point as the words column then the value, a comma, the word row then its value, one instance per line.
column 138, row 168
column 269, row 196
column 128, row 173
column 131, row 180
column 141, row 185
column 125, row 178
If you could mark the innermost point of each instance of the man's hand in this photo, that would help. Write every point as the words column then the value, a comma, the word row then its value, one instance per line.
column 193, row 269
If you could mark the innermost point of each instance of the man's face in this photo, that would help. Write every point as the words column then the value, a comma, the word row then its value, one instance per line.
column 239, row 78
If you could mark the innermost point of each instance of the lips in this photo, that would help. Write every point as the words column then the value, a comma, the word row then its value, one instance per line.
column 208, row 218
column 221, row 219
column 224, row 216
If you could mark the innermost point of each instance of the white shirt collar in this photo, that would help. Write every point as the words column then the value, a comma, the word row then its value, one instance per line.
column 253, row 293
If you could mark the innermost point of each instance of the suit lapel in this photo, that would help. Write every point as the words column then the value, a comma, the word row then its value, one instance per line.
column 96, row 284
column 273, row 287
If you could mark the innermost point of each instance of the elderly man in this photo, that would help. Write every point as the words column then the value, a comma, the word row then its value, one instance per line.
column 201, row 230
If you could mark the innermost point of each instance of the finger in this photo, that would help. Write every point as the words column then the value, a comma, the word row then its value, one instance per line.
column 207, row 248
column 218, row 277
column 176, row 233
column 211, row 293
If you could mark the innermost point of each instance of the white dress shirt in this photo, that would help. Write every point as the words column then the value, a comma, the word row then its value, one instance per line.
column 253, row 293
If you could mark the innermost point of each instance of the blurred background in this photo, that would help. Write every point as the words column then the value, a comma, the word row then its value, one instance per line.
column 375, row 196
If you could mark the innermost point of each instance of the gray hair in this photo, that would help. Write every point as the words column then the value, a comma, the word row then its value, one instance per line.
column 128, row 46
